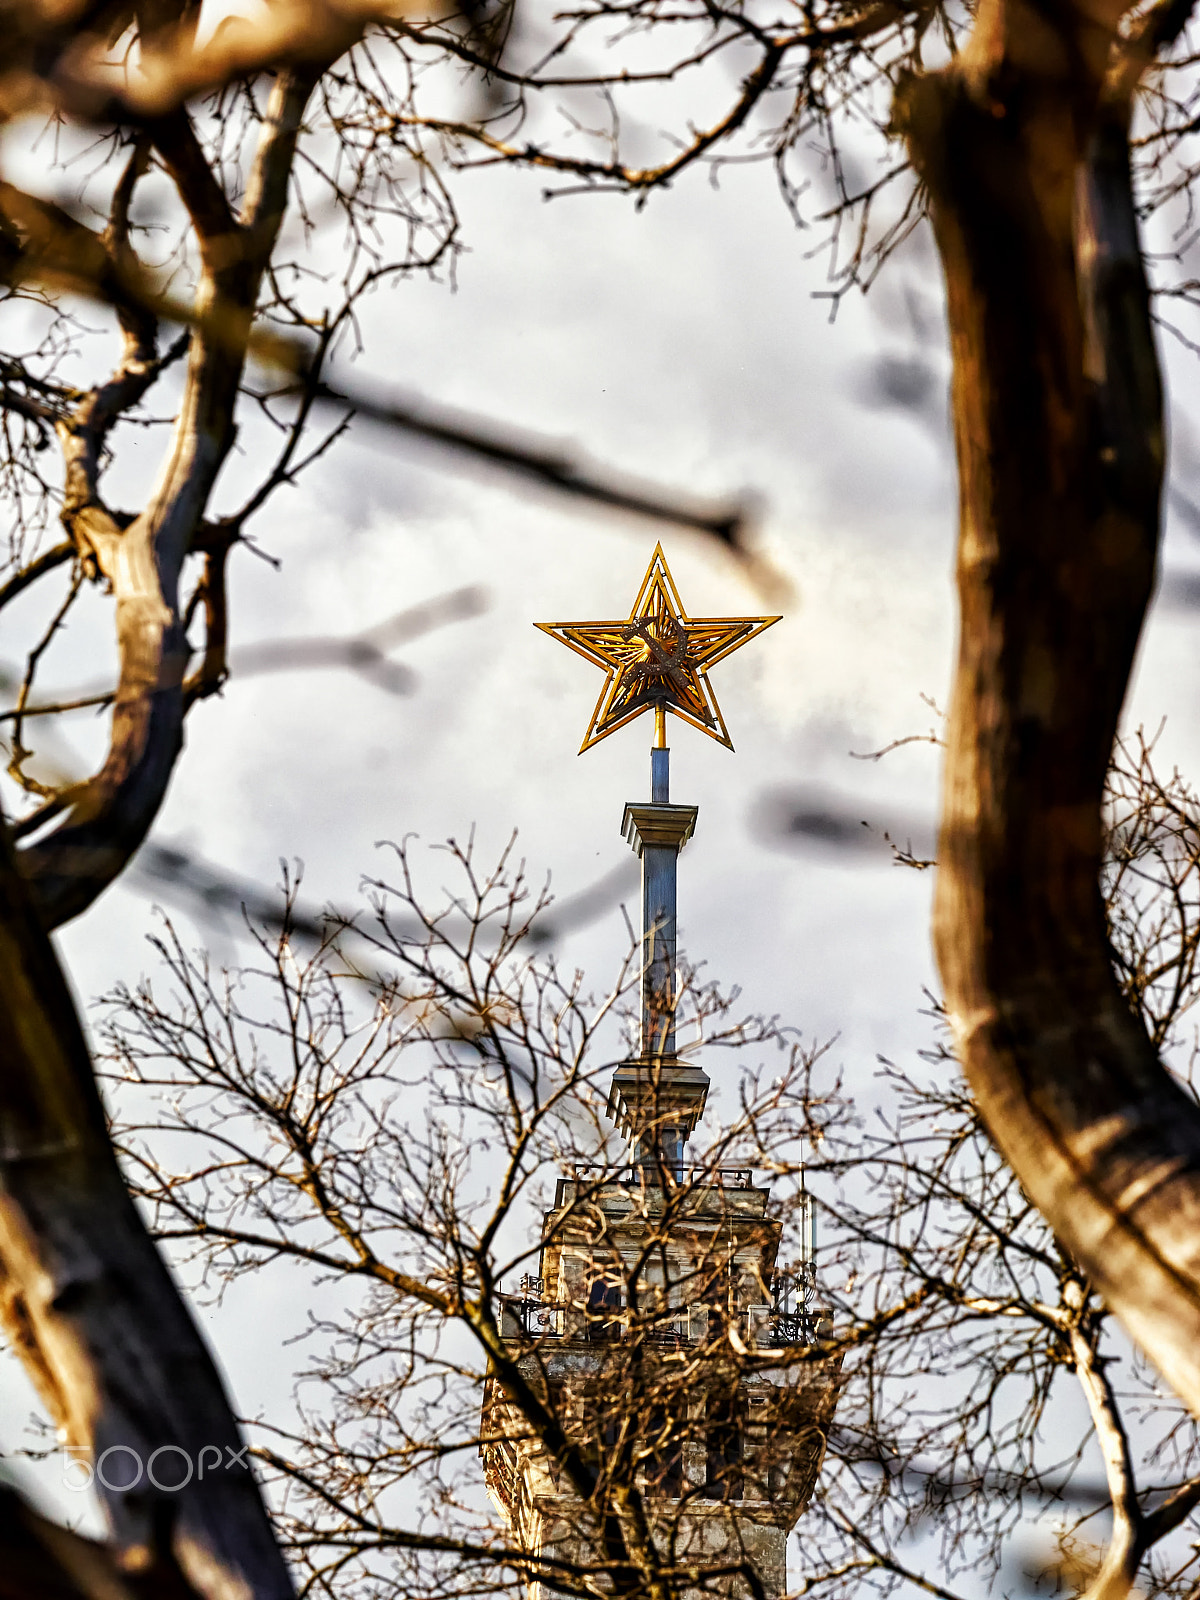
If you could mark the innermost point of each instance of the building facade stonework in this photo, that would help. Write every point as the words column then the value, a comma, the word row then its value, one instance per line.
column 700, row 1393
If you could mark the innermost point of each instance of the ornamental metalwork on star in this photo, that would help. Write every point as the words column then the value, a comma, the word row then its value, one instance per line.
column 658, row 658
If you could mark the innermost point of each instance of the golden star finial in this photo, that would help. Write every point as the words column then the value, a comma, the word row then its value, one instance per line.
column 659, row 659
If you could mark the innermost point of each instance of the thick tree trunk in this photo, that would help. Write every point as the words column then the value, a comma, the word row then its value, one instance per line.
column 1057, row 415
column 93, row 1312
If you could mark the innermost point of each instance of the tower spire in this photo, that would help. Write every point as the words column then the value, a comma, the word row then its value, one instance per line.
column 658, row 659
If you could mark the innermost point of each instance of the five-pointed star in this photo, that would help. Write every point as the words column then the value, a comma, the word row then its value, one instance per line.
column 659, row 657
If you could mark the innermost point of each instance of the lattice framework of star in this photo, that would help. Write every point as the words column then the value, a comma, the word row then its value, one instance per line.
column 657, row 657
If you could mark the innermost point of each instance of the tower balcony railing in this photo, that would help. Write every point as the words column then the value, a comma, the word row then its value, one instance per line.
column 763, row 1327
column 650, row 1172
column 775, row 1326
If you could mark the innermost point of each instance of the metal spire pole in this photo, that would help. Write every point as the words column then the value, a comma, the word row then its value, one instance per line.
column 658, row 832
column 656, row 1098
column 658, row 659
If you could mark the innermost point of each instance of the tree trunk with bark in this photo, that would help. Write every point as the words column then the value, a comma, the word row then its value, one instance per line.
column 89, row 1305
column 1022, row 142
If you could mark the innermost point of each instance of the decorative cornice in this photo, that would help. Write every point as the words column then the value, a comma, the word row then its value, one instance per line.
column 644, row 825
column 656, row 1090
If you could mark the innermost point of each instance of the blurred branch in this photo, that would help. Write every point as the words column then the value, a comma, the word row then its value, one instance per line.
column 547, row 462
column 810, row 815
column 895, row 744
column 200, row 887
column 365, row 653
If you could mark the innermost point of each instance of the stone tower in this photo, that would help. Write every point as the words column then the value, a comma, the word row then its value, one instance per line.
column 683, row 1408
